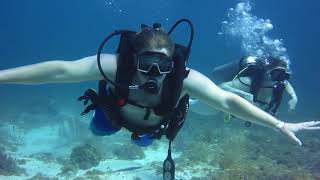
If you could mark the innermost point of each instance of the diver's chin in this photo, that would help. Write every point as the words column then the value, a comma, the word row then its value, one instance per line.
column 151, row 86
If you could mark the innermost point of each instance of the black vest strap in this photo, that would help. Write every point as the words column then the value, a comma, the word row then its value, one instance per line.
column 277, row 94
column 125, row 63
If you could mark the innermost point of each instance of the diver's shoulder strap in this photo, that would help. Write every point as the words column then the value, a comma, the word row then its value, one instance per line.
column 125, row 63
column 173, row 82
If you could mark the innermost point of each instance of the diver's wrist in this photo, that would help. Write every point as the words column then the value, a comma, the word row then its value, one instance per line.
column 279, row 125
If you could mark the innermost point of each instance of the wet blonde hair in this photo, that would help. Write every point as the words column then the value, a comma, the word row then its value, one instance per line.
column 153, row 38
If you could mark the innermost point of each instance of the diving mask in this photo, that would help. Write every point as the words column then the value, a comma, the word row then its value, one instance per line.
column 279, row 74
column 154, row 63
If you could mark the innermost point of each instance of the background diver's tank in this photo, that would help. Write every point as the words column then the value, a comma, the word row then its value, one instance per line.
column 225, row 72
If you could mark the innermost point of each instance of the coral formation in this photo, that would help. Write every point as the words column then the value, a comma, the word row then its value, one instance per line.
column 238, row 153
column 9, row 166
column 85, row 156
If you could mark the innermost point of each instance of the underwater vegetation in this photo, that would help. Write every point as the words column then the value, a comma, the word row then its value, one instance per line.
column 233, row 160
column 9, row 166
column 82, row 157
column 208, row 149
column 85, row 156
column 232, row 151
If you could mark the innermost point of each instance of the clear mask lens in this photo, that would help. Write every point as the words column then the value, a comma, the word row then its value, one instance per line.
column 150, row 60
column 279, row 74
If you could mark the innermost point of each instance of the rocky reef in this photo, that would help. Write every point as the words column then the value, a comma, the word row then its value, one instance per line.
column 9, row 165
column 82, row 157
column 233, row 151
column 85, row 156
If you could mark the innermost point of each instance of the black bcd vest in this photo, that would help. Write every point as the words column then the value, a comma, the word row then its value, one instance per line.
column 173, row 109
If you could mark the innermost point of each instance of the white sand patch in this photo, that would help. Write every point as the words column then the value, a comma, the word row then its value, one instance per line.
column 48, row 140
column 122, row 169
column 44, row 140
column 157, row 155
column 13, row 177
column 34, row 166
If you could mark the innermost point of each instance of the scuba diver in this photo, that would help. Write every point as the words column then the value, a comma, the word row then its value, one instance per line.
column 145, row 87
column 260, row 80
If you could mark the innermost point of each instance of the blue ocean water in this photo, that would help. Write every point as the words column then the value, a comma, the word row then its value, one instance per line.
column 34, row 31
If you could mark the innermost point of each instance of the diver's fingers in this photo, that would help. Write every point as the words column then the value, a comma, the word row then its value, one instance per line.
column 291, row 135
column 295, row 139
column 311, row 128
column 310, row 123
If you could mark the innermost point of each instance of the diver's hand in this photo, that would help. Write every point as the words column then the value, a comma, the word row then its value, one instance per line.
column 292, row 104
column 289, row 129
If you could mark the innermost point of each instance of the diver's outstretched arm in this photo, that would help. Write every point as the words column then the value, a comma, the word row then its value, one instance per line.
column 57, row 71
column 199, row 86
column 294, row 99
column 198, row 107
column 227, row 86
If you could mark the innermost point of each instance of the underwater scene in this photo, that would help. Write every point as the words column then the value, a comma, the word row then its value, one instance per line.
column 47, row 134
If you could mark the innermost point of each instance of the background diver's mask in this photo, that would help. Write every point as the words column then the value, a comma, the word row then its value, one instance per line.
column 153, row 64
column 279, row 74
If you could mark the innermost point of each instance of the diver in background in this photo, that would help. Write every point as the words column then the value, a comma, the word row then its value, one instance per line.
column 144, row 87
column 260, row 80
